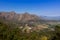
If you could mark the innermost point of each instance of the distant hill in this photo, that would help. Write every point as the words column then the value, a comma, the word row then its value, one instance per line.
column 51, row 17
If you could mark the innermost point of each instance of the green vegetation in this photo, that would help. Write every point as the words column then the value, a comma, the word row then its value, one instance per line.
column 8, row 32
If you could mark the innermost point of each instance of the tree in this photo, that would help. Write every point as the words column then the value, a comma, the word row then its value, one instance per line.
column 57, row 33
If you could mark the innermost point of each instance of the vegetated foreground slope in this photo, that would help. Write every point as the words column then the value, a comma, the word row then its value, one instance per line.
column 8, row 33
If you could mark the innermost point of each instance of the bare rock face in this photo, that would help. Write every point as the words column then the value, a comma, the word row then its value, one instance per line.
column 20, row 17
column 7, row 15
column 27, row 17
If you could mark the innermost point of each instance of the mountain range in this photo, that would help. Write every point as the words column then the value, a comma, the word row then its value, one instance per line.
column 23, row 17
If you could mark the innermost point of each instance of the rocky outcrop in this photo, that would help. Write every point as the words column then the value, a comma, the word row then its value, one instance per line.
column 20, row 17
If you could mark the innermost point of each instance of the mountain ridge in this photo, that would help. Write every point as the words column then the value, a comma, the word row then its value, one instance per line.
column 12, row 15
column 25, row 16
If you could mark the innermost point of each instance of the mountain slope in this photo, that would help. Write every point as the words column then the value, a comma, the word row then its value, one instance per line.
column 19, row 17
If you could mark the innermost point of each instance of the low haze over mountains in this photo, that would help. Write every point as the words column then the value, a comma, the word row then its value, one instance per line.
column 52, row 18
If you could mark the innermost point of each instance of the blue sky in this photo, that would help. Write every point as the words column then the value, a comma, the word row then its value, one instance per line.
column 38, row 7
